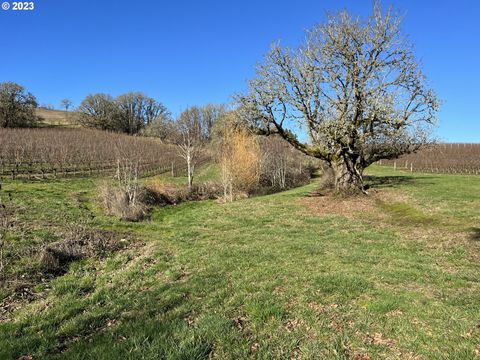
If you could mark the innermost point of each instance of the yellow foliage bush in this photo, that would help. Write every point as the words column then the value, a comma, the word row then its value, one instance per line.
column 239, row 161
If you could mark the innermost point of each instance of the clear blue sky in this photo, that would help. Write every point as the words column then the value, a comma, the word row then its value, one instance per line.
column 194, row 52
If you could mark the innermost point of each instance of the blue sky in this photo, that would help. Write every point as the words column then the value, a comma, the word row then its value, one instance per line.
column 194, row 52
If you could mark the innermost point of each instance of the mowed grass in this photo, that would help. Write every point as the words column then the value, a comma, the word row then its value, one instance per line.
column 205, row 173
column 262, row 278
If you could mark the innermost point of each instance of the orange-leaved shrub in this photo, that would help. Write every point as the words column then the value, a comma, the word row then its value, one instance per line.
column 239, row 160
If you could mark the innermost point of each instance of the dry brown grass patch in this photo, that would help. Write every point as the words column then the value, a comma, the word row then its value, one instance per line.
column 360, row 206
column 78, row 243
column 332, row 204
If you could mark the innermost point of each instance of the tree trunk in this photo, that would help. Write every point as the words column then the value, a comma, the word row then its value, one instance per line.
column 348, row 177
column 189, row 171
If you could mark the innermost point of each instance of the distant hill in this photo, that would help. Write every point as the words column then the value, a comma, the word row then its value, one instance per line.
column 53, row 118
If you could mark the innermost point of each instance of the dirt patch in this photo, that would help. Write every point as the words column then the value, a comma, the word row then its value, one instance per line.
column 332, row 204
column 382, row 206
column 78, row 243
column 22, row 293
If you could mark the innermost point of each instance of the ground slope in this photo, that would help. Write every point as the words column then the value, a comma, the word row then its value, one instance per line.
column 55, row 118
column 281, row 276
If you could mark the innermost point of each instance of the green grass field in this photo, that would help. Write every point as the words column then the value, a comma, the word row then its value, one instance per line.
column 205, row 173
column 272, row 277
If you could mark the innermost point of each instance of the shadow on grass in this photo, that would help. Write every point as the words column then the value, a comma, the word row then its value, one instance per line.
column 475, row 233
column 158, row 316
column 388, row 181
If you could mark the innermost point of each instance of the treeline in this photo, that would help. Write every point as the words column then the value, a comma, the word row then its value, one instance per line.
column 249, row 163
column 17, row 106
column 130, row 113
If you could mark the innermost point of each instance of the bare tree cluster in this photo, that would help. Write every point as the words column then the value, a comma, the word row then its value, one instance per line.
column 124, row 198
column 128, row 113
column 17, row 107
column 354, row 86
column 282, row 166
column 192, row 131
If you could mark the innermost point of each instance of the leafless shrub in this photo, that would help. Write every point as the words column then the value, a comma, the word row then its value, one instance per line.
column 282, row 166
column 125, row 198
column 158, row 193
column 117, row 202
column 252, row 164
column 206, row 191
column 166, row 194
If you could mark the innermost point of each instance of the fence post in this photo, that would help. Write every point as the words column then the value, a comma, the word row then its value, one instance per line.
column 394, row 166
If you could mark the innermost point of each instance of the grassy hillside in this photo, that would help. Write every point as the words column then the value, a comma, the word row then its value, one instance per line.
column 55, row 118
column 290, row 276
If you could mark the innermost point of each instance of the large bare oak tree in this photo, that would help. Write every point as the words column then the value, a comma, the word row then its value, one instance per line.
column 356, row 88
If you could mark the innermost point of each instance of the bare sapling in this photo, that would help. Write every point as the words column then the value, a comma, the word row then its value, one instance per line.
column 191, row 135
column 123, row 198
